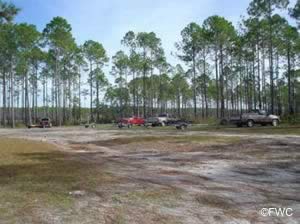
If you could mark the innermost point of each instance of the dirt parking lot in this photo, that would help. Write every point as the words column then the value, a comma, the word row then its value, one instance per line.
column 149, row 176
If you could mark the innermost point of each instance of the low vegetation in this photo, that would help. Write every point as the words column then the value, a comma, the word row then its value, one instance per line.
column 268, row 130
column 169, row 138
column 283, row 129
column 34, row 177
column 147, row 177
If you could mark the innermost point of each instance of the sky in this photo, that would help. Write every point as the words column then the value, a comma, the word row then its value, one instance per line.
column 107, row 21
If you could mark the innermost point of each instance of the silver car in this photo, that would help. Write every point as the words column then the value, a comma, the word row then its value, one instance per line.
column 256, row 117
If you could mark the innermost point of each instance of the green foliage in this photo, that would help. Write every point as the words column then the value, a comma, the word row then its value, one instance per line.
column 189, row 42
column 220, row 31
column 266, row 7
column 295, row 12
column 95, row 52
column 7, row 11
column 58, row 35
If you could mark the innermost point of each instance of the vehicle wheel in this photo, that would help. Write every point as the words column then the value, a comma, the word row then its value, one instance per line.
column 224, row 122
column 275, row 123
column 250, row 123
column 163, row 124
column 182, row 127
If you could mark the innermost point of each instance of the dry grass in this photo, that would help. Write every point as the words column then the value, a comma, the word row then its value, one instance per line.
column 283, row 129
column 163, row 197
column 170, row 139
column 214, row 201
column 33, row 176
column 268, row 130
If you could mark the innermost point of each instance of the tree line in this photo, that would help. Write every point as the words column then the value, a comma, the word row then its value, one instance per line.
column 225, row 70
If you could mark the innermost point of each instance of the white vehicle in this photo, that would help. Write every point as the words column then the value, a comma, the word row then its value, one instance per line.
column 165, row 118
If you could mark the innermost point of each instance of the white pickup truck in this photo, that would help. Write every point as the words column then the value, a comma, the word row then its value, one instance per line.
column 165, row 118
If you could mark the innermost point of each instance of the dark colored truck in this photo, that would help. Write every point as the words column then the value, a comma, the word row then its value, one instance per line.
column 255, row 117
column 44, row 123
column 179, row 123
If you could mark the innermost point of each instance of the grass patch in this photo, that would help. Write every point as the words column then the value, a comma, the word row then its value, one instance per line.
column 282, row 129
column 35, row 175
column 164, row 197
column 170, row 139
column 214, row 201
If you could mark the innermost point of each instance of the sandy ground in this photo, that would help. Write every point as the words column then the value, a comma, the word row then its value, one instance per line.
column 179, row 182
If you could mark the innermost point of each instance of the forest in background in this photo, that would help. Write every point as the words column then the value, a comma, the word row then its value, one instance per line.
column 225, row 70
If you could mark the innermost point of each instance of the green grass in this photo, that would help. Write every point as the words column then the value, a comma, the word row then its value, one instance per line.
column 35, row 175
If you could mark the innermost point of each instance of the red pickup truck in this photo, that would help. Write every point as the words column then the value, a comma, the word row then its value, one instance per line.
column 129, row 122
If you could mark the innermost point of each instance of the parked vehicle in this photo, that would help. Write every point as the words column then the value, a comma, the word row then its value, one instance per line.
column 165, row 118
column 90, row 125
column 152, row 122
column 129, row 122
column 179, row 123
column 255, row 117
column 44, row 123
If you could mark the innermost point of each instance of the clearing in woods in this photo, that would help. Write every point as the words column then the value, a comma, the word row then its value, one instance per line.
column 77, row 175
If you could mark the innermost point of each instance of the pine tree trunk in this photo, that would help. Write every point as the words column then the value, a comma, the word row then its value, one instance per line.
column 27, row 104
column 4, row 99
column 194, row 85
column 271, row 57
column 217, row 80
column 258, row 79
column 290, row 104
column 91, row 93
column 205, row 86
column 79, row 96
column 12, row 97
column 144, row 84
column 97, row 90
column 222, row 83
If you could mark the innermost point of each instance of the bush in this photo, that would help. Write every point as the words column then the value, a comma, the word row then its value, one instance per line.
column 291, row 119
